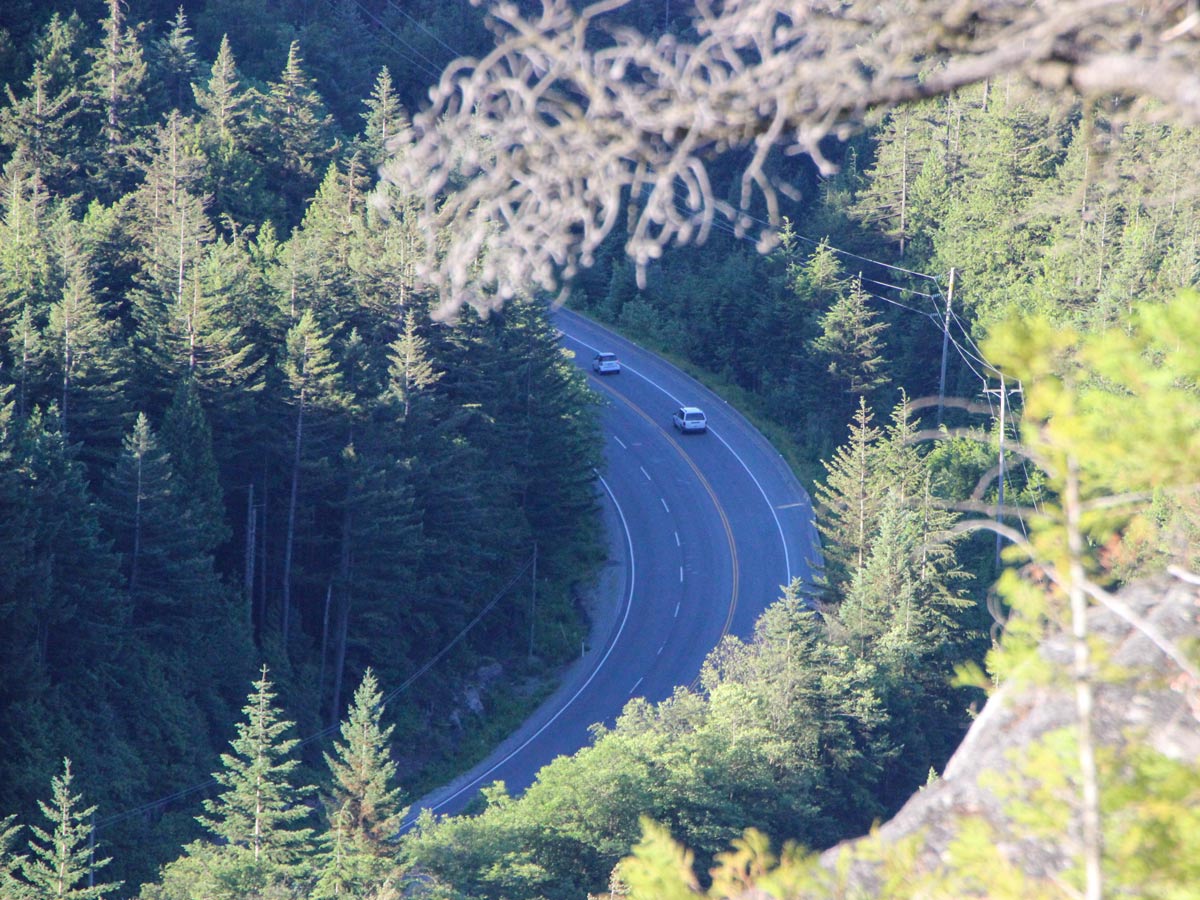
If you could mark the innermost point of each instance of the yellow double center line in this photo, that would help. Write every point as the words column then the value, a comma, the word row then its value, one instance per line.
column 733, row 558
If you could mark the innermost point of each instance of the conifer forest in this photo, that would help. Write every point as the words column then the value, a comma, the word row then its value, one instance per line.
column 256, row 469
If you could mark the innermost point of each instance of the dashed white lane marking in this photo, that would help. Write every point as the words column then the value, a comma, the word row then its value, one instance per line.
column 621, row 442
column 647, row 474
column 677, row 544
column 635, row 687
column 681, row 574
column 677, row 610
column 660, row 650
column 664, row 503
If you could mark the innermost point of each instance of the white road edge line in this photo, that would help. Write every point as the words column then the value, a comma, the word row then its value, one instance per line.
column 787, row 563
column 612, row 646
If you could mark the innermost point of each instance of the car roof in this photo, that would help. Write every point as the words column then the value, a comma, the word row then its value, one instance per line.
column 691, row 409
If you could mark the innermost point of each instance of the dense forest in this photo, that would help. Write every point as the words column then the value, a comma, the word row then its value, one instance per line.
column 231, row 431
column 237, row 451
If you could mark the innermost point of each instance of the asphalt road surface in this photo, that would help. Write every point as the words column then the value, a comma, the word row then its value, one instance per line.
column 706, row 529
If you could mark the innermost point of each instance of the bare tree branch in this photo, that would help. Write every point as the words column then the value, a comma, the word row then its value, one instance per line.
column 527, row 157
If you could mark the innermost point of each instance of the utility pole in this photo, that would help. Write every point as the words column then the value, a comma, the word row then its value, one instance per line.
column 945, row 347
column 533, row 601
column 1000, row 494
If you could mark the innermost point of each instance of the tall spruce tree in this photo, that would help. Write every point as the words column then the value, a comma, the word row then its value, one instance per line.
column 315, row 383
column 363, row 806
column 850, row 499
column 260, row 811
column 851, row 343
column 115, row 81
column 385, row 119
column 62, row 860
column 298, row 134
column 166, row 564
column 187, row 437
column 174, row 64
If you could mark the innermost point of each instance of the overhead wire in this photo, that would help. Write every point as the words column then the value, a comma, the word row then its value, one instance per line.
column 455, row 53
column 418, row 59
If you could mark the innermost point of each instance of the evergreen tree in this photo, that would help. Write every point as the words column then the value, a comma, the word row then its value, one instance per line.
column 850, row 499
column 298, row 133
column 173, row 63
column 115, row 80
column 62, row 860
column 221, row 101
column 79, row 342
column 385, row 119
column 233, row 179
column 259, row 811
column 187, row 438
column 411, row 371
column 11, row 887
column 66, row 624
column 166, row 565
column 850, row 341
column 42, row 125
column 315, row 383
column 364, row 805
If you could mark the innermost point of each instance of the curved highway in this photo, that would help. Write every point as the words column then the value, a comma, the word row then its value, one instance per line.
column 709, row 527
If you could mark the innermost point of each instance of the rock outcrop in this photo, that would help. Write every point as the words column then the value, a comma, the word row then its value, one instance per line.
column 1148, row 701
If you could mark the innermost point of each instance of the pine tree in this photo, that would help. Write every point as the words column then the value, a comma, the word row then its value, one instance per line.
column 40, row 127
column 411, row 371
column 385, row 119
column 79, row 342
column 259, row 811
column 115, row 80
column 315, row 383
column 298, row 132
column 174, row 64
column 11, row 887
column 363, row 807
column 851, row 342
column 850, row 499
column 42, row 124
column 222, row 101
column 61, row 860
column 234, row 180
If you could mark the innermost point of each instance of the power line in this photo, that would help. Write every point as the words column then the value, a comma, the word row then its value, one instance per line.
column 419, row 60
column 454, row 53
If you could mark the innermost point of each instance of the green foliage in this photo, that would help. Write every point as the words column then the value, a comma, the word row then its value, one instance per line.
column 363, row 806
column 259, row 810
column 62, row 861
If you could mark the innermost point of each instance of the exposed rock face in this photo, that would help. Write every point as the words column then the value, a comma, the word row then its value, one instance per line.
column 1155, row 705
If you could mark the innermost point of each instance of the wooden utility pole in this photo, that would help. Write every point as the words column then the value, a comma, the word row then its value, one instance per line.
column 533, row 601
column 1000, row 495
column 945, row 347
